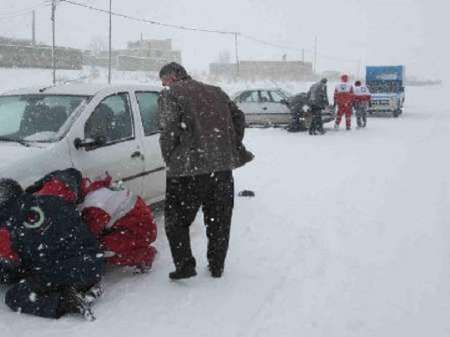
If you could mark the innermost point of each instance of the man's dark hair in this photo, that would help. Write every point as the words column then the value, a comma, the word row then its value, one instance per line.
column 174, row 68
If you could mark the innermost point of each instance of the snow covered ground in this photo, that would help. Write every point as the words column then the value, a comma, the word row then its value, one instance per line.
column 348, row 235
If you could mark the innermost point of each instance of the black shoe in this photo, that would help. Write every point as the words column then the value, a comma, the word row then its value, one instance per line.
column 215, row 272
column 182, row 273
column 94, row 293
column 77, row 303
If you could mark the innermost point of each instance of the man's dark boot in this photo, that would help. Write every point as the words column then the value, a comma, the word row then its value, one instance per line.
column 75, row 301
column 216, row 272
column 185, row 270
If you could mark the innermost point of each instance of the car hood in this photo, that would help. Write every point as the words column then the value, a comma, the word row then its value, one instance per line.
column 14, row 153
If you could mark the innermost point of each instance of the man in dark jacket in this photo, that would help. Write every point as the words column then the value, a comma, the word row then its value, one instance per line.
column 201, row 142
column 318, row 99
column 297, row 105
column 56, row 257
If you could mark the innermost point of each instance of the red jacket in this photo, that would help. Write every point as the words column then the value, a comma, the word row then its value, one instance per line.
column 6, row 251
column 361, row 94
column 343, row 94
column 123, row 224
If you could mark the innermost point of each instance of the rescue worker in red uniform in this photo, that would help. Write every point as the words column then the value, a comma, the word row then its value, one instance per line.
column 361, row 102
column 124, row 225
column 122, row 222
column 343, row 99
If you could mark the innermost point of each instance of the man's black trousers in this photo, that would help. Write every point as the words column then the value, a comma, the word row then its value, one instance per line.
column 316, row 122
column 184, row 196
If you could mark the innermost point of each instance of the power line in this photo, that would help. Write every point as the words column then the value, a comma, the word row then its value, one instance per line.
column 153, row 22
column 270, row 44
column 207, row 30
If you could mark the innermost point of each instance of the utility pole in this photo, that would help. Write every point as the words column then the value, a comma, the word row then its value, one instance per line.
column 237, row 53
column 315, row 55
column 359, row 68
column 53, row 41
column 110, row 42
column 33, row 28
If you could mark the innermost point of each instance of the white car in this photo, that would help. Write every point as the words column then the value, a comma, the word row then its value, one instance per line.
column 94, row 128
column 264, row 106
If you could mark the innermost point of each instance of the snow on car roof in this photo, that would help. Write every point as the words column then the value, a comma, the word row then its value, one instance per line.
column 80, row 89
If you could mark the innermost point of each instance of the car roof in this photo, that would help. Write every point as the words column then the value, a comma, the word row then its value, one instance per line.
column 259, row 89
column 80, row 89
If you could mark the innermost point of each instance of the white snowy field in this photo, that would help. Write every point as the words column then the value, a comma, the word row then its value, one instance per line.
column 348, row 235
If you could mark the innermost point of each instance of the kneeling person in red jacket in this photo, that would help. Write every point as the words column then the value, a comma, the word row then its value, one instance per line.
column 122, row 222
column 124, row 225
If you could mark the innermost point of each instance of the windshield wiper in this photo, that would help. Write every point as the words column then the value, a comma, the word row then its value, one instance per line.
column 20, row 141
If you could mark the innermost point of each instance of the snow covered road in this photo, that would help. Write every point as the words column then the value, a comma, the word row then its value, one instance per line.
column 348, row 235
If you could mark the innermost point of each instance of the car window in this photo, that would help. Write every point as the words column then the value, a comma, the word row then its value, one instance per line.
column 148, row 107
column 264, row 96
column 249, row 97
column 36, row 117
column 111, row 119
column 11, row 115
column 276, row 97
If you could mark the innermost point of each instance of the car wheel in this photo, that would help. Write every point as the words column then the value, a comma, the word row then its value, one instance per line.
column 396, row 113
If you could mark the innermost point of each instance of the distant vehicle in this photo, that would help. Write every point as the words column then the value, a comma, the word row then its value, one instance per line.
column 264, row 106
column 270, row 107
column 386, row 85
column 94, row 128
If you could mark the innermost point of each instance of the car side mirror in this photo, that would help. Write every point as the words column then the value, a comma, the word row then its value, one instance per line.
column 284, row 101
column 89, row 142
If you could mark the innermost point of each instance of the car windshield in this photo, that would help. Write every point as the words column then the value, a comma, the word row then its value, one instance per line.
column 285, row 93
column 35, row 118
column 384, row 86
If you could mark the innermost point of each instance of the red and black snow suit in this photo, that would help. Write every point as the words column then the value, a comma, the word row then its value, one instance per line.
column 122, row 223
column 343, row 99
column 50, row 251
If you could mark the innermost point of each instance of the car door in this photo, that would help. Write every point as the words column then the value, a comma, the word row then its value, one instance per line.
column 273, row 111
column 154, row 178
column 120, row 153
column 248, row 102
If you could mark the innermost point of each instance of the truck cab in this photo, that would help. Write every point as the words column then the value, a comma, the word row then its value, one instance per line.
column 386, row 85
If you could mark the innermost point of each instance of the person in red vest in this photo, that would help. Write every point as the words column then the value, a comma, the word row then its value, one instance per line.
column 121, row 221
column 124, row 225
column 343, row 99
column 361, row 102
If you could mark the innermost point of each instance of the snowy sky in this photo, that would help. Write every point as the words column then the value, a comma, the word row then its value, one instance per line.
column 406, row 32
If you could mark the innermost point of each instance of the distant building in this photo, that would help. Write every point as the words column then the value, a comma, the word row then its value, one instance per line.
column 143, row 55
column 19, row 53
column 264, row 70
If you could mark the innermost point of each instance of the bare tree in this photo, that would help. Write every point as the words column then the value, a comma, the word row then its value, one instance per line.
column 97, row 45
